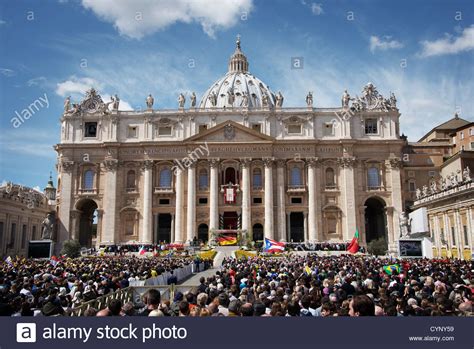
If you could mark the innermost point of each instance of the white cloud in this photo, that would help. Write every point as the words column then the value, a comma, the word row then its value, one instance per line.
column 39, row 81
column 76, row 87
column 7, row 72
column 2, row 22
column 317, row 9
column 138, row 18
column 449, row 44
column 383, row 44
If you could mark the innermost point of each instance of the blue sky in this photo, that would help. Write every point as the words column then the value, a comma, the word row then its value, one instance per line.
column 423, row 51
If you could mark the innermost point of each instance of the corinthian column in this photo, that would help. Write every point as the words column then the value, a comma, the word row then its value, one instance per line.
column 312, row 225
column 66, row 206
column 110, row 200
column 394, row 165
column 213, row 195
column 191, row 212
column 178, row 220
column 281, row 215
column 246, row 213
column 348, row 185
column 268, row 229
column 146, row 235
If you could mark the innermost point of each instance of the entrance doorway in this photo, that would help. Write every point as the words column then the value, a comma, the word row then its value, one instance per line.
column 231, row 220
column 257, row 231
column 203, row 232
column 164, row 228
column 375, row 219
column 87, row 221
column 297, row 227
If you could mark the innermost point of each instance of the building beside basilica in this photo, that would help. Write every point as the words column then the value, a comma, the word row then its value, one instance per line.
column 238, row 160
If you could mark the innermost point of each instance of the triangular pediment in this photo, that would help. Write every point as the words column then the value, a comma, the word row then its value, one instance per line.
column 230, row 132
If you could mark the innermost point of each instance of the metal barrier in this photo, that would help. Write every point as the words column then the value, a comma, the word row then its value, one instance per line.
column 137, row 288
column 129, row 294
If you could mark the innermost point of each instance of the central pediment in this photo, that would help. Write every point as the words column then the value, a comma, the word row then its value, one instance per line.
column 230, row 132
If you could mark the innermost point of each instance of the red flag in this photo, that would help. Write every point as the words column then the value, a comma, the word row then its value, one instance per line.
column 354, row 245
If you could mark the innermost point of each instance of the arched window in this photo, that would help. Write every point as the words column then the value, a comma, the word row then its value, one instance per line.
column 131, row 179
column 257, row 178
column 89, row 180
column 295, row 178
column 373, row 177
column 203, row 179
column 165, row 178
column 330, row 178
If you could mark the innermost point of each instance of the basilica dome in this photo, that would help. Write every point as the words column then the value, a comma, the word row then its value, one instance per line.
column 238, row 88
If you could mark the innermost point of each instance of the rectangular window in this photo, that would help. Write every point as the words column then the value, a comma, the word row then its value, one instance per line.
column 90, row 129
column 328, row 129
column 462, row 135
column 472, row 145
column 373, row 177
column 202, row 201
column 133, row 132
column 431, row 173
column 412, row 186
column 257, row 127
column 294, row 129
column 443, row 238
column 23, row 236
column 129, row 226
column 466, row 235
column 471, row 132
column 453, row 235
column 257, row 200
column 371, row 126
column 202, row 128
column 296, row 200
column 33, row 233
column 164, row 201
column 164, row 131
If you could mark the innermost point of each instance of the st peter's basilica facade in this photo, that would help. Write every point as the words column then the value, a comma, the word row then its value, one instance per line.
column 236, row 160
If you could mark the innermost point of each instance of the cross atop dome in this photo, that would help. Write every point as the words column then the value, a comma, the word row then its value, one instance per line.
column 238, row 62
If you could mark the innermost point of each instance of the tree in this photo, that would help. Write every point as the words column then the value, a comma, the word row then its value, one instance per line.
column 71, row 248
column 377, row 247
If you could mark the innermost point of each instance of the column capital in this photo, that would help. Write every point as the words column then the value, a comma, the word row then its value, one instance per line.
column 394, row 163
column 268, row 162
column 147, row 164
column 281, row 162
column 346, row 162
column 67, row 166
column 214, row 163
column 192, row 165
column 110, row 164
column 312, row 162
column 245, row 162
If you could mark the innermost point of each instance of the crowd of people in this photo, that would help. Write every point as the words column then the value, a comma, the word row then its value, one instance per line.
column 291, row 285
column 34, row 287
column 321, row 246
column 328, row 286
column 124, row 249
